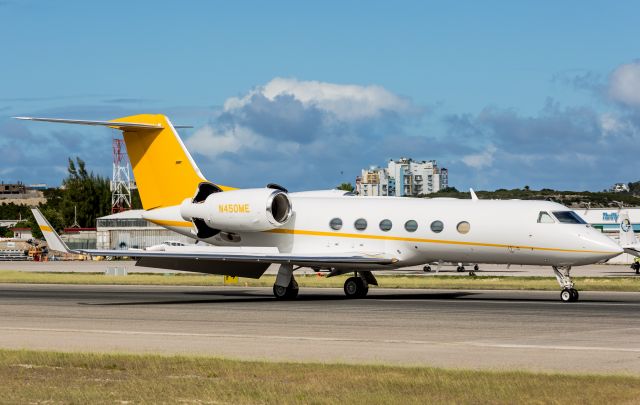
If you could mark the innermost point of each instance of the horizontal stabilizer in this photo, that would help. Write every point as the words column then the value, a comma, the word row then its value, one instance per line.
column 50, row 235
column 112, row 124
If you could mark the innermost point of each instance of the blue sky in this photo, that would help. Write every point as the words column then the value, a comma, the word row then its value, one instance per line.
column 504, row 94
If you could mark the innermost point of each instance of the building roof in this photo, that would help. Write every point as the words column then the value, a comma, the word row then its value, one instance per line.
column 130, row 214
column 78, row 230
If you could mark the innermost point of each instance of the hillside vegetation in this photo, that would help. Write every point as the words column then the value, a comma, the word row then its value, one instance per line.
column 574, row 199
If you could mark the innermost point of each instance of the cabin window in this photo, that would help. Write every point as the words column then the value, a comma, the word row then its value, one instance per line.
column 360, row 224
column 568, row 217
column 336, row 224
column 545, row 218
column 385, row 225
column 411, row 225
column 463, row 227
column 437, row 226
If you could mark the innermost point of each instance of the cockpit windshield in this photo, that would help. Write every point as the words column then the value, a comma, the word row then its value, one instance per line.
column 568, row 217
column 545, row 218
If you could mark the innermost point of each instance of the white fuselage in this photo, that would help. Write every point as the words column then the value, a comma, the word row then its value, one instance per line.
column 499, row 231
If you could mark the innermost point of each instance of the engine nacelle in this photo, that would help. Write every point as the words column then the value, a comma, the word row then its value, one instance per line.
column 248, row 210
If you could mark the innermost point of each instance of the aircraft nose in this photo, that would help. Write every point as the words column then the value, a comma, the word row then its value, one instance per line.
column 608, row 247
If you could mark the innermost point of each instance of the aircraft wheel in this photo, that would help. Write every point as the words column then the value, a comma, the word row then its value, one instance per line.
column 426, row 269
column 286, row 293
column 292, row 293
column 476, row 268
column 279, row 292
column 355, row 287
column 566, row 295
column 574, row 294
column 460, row 269
column 363, row 288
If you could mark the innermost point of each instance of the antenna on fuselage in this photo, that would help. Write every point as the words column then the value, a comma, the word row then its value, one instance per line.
column 473, row 194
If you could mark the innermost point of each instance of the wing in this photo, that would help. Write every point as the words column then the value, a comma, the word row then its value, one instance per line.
column 246, row 255
column 223, row 260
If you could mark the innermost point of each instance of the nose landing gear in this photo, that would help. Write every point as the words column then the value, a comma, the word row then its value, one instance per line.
column 568, row 293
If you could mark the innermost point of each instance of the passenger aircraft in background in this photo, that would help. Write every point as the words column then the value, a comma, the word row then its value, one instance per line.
column 330, row 230
column 628, row 239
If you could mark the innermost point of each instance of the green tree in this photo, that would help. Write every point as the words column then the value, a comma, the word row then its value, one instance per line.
column 346, row 187
column 84, row 193
column 448, row 190
column 5, row 232
column 136, row 202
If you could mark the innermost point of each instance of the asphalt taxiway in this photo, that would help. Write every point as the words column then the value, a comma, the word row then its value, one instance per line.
column 468, row 329
column 90, row 266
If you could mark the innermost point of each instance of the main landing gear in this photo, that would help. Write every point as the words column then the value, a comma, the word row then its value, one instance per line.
column 289, row 292
column 568, row 293
column 285, row 287
column 358, row 285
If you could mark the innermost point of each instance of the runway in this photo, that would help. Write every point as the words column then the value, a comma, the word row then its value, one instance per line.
column 466, row 329
column 90, row 266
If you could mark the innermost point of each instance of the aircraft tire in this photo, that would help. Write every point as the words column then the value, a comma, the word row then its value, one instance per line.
column 363, row 288
column 575, row 295
column 292, row 293
column 566, row 295
column 286, row 293
column 426, row 269
column 476, row 268
column 355, row 287
column 279, row 292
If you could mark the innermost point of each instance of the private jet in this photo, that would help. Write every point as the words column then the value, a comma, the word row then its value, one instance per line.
column 330, row 231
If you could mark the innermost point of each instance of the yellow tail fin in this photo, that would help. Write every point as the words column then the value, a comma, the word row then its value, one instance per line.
column 163, row 168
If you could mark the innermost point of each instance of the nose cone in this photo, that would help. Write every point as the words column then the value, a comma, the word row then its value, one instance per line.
column 604, row 247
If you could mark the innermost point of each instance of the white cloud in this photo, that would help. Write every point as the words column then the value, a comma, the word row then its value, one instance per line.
column 482, row 159
column 613, row 125
column 609, row 123
column 347, row 102
column 210, row 142
column 624, row 84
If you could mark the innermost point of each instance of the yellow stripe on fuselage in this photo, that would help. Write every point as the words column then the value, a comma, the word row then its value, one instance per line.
column 45, row 228
column 422, row 240
column 184, row 224
column 165, row 222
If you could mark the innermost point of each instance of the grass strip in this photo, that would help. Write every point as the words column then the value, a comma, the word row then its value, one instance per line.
column 53, row 377
column 388, row 281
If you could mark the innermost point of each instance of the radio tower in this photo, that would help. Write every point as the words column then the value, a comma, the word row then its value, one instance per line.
column 121, row 180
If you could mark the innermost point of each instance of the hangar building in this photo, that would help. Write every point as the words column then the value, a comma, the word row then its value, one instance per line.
column 127, row 229
column 607, row 220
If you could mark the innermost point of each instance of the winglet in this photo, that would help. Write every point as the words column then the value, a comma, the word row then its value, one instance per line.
column 50, row 234
column 473, row 194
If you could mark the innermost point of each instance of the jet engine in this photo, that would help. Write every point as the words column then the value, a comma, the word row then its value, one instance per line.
column 248, row 210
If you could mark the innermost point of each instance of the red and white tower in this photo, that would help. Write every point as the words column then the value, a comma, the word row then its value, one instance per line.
column 121, row 180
